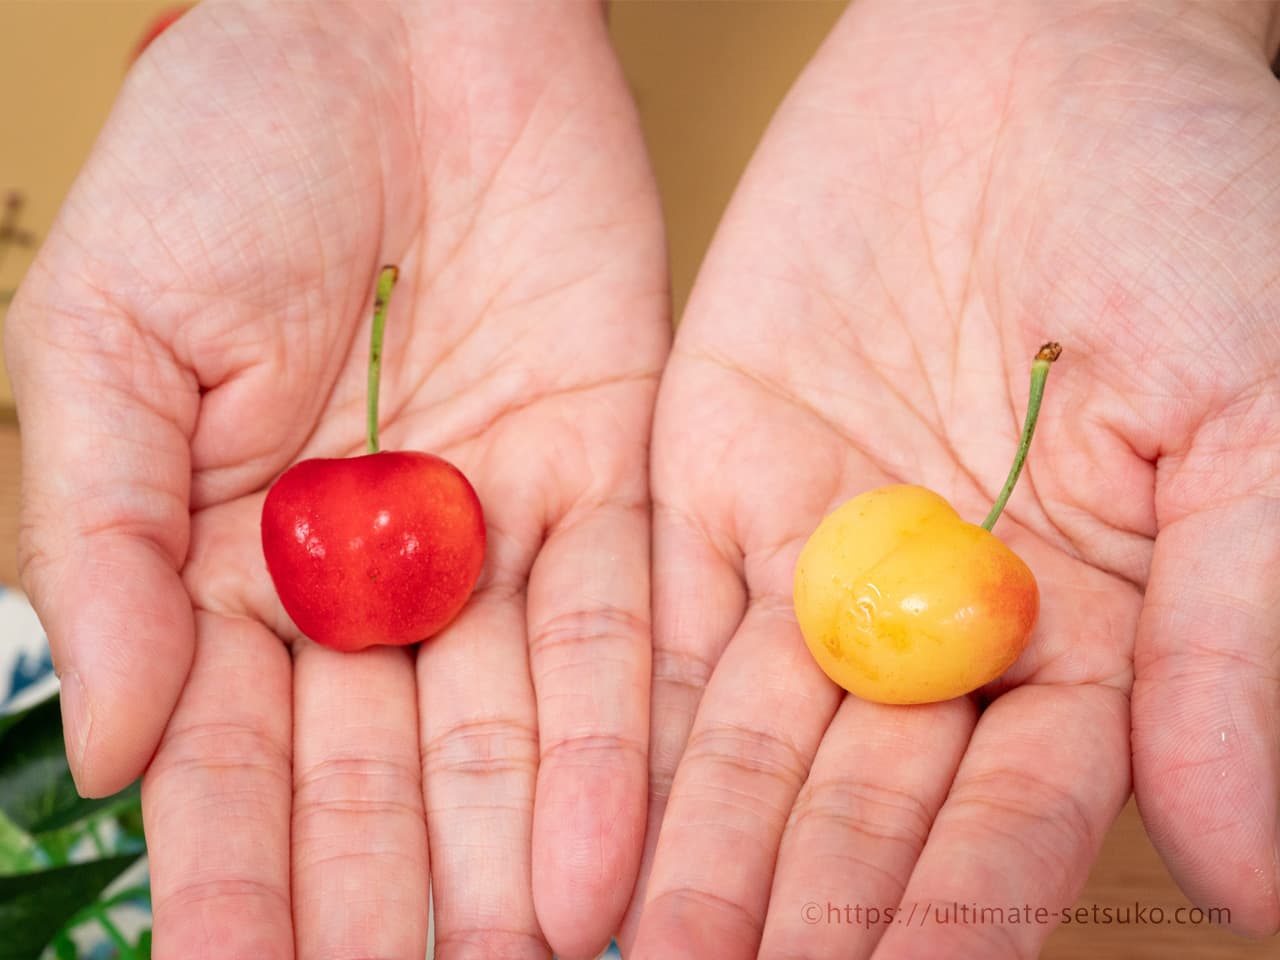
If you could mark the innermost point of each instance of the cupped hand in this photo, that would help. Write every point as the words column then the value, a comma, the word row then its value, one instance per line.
column 198, row 320
column 948, row 186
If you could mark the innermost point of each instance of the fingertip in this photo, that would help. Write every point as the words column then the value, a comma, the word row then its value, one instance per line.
column 124, row 651
column 77, row 723
column 588, row 836
column 681, row 926
column 625, row 936
column 1221, row 878
column 1206, row 748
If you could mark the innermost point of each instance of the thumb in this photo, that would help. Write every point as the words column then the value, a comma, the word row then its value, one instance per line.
column 1206, row 745
column 106, row 414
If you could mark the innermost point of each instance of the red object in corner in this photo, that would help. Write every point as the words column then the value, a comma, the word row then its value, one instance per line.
column 159, row 24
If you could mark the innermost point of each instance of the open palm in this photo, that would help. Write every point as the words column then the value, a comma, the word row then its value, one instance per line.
column 943, row 191
column 198, row 321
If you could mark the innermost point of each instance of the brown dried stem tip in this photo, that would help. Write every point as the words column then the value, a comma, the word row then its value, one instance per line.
column 1050, row 352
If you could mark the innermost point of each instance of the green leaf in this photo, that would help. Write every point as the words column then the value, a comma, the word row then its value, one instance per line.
column 130, row 820
column 64, row 948
column 35, row 906
column 7, row 720
column 36, row 789
column 78, row 810
column 18, row 850
column 57, row 845
column 133, row 895
column 35, row 781
column 143, row 949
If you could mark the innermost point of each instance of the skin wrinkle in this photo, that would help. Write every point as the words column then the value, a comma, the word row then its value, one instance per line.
column 843, row 803
column 683, row 668
column 1209, row 657
column 953, row 316
column 753, row 749
column 468, row 747
column 513, row 407
column 847, row 440
column 199, row 891
column 895, row 310
column 709, row 898
column 358, row 767
column 590, row 745
column 492, row 940
column 84, row 336
column 726, row 552
column 762, row 558
column 1068, row 818
column 994, row 295
column 980, row 206
column 562, row 632
column 486, row 189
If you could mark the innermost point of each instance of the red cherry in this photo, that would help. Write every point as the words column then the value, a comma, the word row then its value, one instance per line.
column 380, row 549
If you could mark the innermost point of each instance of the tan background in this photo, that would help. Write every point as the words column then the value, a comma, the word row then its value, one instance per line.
column 707, row 75
column 61, row 64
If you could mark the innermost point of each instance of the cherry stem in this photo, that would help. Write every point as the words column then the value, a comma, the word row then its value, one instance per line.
column 386, row 283
column 1039, row 373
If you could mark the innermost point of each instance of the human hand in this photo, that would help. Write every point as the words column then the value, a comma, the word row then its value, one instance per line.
column 948, row 186
column 198, row 320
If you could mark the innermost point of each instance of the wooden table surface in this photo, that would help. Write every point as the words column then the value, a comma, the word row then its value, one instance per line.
column 1127, row 872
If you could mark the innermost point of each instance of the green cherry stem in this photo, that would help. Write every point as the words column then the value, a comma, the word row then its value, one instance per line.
column 1039, row 373
column 386, row 283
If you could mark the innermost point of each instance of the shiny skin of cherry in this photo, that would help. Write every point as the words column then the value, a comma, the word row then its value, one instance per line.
column 379, row 549
column 901, row 601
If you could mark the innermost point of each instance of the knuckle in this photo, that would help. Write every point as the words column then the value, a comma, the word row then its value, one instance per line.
column 36, row 538
column 684, row 669
column 33, row 558
column 738, row 927
column 191, row 893
column 567, row 633
column 754, row 752
column 866, row 809
column 216, row 748
column 358, row 785
column 483, row 747
column 750, row 775
column 1014, row 807
column 666, row 748
column 465, row 943
column 590, row 749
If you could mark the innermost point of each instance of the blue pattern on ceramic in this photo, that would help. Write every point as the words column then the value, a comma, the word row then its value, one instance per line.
column 26, row 670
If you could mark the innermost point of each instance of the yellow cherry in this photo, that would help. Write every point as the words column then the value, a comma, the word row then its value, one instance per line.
column 900, row 600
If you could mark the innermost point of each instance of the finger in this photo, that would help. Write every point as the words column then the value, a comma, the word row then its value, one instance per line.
column 1045, row 775
column 1206, row 746
column 216, row 802
column 749, row 752
column 226, row 571
column 106, row 415
column 698, row 602
column 589, row 642
column 480, row 756
column 359, row 831
column 859, row 824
